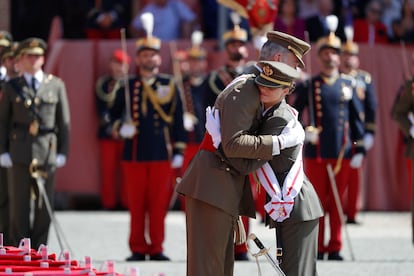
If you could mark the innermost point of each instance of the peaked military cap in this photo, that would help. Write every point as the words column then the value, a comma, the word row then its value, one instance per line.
column 5, row 38
column 9, row 51
column 297, row 46
column 32, row 46
column 275, row 74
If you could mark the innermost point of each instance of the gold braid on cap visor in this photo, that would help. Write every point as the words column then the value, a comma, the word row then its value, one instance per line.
column 295, row 52
column 284, row 83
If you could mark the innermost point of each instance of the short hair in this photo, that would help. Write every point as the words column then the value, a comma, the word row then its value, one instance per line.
column 269, row 49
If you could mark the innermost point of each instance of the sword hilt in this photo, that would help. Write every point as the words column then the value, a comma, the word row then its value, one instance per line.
column 34, row 170
column 256, row 241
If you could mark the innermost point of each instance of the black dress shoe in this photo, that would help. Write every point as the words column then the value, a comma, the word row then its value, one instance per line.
column 241, row 257
column 334, row 256
column 352, row 221
column 159, row 257
column 321, row 255
column 136, row 257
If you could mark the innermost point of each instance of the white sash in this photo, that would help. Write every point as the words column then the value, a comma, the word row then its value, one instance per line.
column 281, row 204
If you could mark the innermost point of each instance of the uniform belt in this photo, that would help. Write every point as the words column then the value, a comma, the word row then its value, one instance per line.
column 42, row 129
column 207, row 143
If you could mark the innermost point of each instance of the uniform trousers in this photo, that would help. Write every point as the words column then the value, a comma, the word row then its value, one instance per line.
column 190, row 151
column 4, row 205
column 112, row 191
column 210, row 244
column 298, row 239
column 21, row 188
column 354, row 189
column 147, row 185
column 316, row 170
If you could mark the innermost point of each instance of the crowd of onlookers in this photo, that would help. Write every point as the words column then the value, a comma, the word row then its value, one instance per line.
column 374, row 21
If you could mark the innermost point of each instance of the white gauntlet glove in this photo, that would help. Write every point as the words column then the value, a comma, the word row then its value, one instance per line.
column 213, row 125
column 368, row 141
column 60, row 160
column 5, row 160
column 356, row 161
column 311, row 135
column 292, row 135
column 412, row 131
column 177, row 161
column 127, row 130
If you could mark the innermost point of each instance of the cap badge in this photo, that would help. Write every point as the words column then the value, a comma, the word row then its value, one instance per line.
column 267, row 70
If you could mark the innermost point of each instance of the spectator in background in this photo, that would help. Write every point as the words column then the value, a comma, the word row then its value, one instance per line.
column 287, row 20
column 105, row 18
column 113, row 195
column 173, row 20
column 405, row 25
column 391, row 11
column 316, row 25
column 370, row 29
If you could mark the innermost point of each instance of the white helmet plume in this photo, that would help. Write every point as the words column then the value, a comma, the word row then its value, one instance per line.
column 147, row 20
column 349, row 33
column 332, row 23
column 197, row 38
column 235, row 18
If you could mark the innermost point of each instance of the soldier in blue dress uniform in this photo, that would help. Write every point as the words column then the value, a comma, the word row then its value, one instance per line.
column 151, row 122
column 110, row 145
column 366, row 105
column 235, row 47
column 333, row 128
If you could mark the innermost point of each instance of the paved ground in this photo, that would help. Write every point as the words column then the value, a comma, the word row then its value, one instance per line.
column 381, row 245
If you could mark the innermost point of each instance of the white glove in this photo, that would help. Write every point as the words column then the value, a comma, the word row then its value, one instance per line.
column 5, row 160
column 356, row 161
column 127, row 130
column 213, row 125
column 177, row 161
column 368, row 141
column 60, row 160
column 412, row 131
column 292, row 135
column 311, row 135
column 189, row 121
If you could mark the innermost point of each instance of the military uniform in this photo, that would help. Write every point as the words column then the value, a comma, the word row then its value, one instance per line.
column 366, row 107
column 193, row 92
column 5, row 40
column 113, row 194
column 332, row 100
column 403, row 106
column 148, row 156
column 34, row 126
column 296, row 235
column 218, row 79
column 216, row 194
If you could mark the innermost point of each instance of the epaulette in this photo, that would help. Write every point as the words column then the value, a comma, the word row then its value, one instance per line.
column 366, row 75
